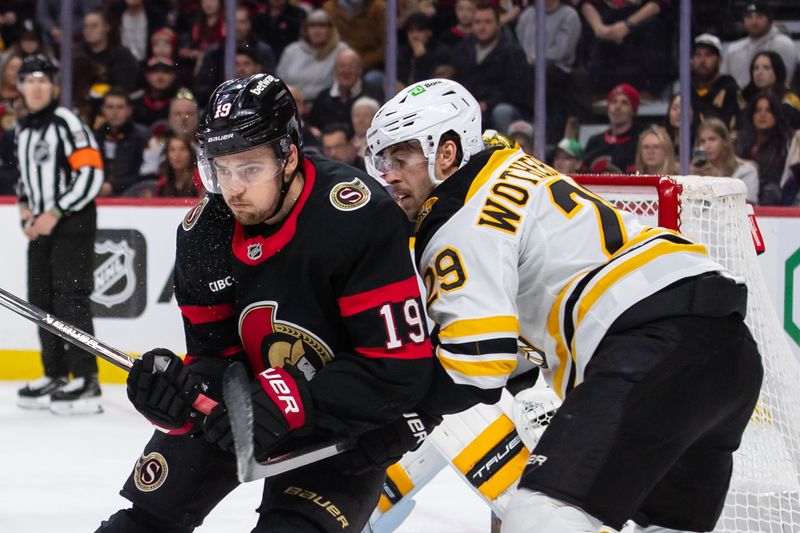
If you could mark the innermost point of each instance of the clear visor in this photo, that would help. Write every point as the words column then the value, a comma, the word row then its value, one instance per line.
column 393, row 159
column 230, row 172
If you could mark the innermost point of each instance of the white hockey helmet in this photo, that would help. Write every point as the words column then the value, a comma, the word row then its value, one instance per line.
column 423, row 112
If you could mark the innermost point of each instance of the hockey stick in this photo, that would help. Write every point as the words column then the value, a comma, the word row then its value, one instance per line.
column 81, row 339
column 240, row 410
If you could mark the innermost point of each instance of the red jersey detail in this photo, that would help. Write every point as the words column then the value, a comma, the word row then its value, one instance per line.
column 392, row 293
column 408, row 351
column 272, row 244
column 189, row 359
column 282, row 389
column 201, row 314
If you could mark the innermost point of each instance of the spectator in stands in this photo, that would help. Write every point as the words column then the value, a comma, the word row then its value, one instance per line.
column 279, row 24
column 362, row 25
column 492, row 66
column 421, row 53
column 308, row 62
column 48, row 15
column 713, row 94
column 567, row 156
column 88, row 87
column 246, row 63
column 10, row 97
column 655, row 154
column 334, row 104
column 212, row 66
column 672, row 123
column 121, row 142
column 761, row 35
column 464, row 11
column 178, row 172
column 207, row 30
column 614, row 150
column 310, row 135
column 9, row 173
column 163, row 43
column 521, row 132
column 563, row 30
column 629, row 43
column 337, row 144
column 182, row 121
column 767, row 72
column 30, row 41
column 714, row 155
column 151, row 104
column 137, row 19
column 364, row 109
column 764, row 137
column 119, row 67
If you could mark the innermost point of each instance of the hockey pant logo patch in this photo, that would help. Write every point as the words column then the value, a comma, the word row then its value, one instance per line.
column 150, row 472
column 321, row 501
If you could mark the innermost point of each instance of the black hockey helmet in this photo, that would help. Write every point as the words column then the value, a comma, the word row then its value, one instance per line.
column 246, row 113
column 38, row 64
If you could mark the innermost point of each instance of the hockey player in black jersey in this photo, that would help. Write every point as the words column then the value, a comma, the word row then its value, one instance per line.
column 308, row 261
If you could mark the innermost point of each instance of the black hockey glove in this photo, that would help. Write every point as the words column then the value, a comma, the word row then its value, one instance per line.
column 281, row 405
column 162, row 389
column 384, row 446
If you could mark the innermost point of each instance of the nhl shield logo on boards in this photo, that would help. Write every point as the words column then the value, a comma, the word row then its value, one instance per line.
column 254, row 251
column 350, row 195
column 150, row 472
column 115, row 277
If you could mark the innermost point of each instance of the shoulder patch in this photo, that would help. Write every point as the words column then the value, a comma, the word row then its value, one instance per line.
column 350, row 195
column 80, row 138
column 193, row 215
column 424, row 209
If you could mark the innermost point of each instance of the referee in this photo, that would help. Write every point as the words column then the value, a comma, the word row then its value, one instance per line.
column 61, row 172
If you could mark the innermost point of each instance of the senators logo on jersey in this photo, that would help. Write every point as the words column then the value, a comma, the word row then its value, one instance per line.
column 350, row 195
column 270, row 342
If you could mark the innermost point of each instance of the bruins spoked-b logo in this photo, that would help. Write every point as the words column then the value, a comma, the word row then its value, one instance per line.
column 271, row 342
column 350, row 195
column 150, row 472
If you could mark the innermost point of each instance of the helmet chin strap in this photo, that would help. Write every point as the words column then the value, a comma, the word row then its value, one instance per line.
column 284, row 190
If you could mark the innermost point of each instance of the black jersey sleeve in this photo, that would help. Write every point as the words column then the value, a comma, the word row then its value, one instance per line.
column 204, row 287
column 388, row 365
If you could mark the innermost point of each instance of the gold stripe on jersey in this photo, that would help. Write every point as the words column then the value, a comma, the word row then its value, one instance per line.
column 478, row 370
column 554, row 329
column 497, row 326
column 498, row 158
column 660, row 249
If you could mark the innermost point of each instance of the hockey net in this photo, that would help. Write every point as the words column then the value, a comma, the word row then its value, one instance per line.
column 764, row 495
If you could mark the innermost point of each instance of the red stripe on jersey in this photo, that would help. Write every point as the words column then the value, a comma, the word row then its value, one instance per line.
column 392, row 293
column 189, row 359
column 265, row 247
column 225, row 354
column 408, row 351
column 202, row 314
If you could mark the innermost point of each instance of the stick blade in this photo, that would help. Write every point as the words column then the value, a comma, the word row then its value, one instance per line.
column 235, row 391
column 240, row 412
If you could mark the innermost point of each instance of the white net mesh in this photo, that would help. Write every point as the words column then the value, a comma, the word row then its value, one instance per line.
column 764, row 495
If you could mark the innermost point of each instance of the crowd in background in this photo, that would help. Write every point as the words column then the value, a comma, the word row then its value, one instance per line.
column 143, row 70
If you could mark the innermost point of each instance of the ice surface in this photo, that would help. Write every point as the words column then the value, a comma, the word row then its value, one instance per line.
column 63, row 474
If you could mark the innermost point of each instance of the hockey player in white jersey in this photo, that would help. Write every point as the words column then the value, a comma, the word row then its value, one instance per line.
column 638, row 330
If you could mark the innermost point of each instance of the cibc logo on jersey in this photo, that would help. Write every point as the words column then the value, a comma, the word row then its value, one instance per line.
column 270, row 342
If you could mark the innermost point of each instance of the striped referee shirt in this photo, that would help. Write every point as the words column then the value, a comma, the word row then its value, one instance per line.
column 61, row 169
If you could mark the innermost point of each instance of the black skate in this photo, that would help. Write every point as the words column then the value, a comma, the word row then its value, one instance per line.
column 81, row 396
column 36, row 394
